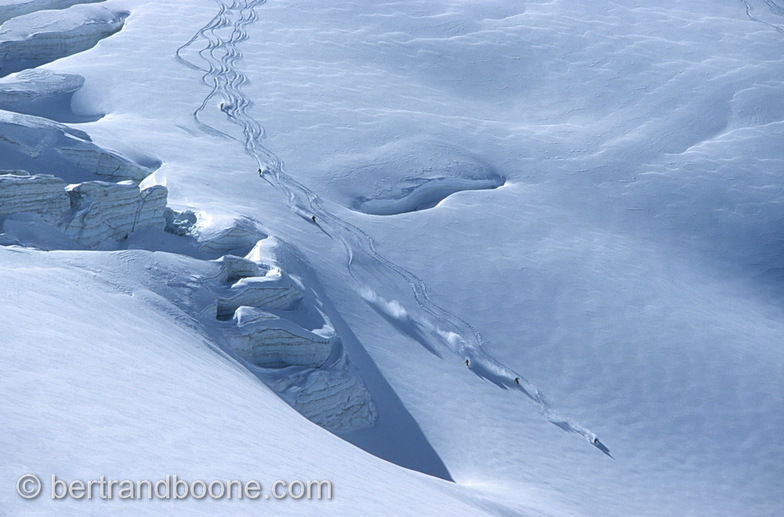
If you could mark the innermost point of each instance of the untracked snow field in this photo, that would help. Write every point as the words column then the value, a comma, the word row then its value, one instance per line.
column 456, row 257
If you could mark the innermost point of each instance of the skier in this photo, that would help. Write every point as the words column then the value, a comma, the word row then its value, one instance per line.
column 517, row 380
column 599, row 445
column 468, row 363
column 313, row 218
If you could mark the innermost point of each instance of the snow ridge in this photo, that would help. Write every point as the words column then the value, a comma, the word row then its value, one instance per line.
column 431, row 325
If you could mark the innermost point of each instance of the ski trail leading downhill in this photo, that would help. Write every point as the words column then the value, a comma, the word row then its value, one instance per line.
column 414, row 312
column 774, row 8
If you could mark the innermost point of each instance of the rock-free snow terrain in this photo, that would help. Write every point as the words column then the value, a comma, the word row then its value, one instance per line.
column 468, row 238
column 42, row 36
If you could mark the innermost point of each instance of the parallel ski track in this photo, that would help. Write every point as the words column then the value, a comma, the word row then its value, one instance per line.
column 222, row 36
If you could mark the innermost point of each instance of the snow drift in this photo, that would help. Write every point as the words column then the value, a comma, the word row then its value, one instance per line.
column 33, row 39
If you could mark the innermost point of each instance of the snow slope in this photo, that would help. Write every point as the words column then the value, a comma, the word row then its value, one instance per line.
column 120, row 382
column 603, row 185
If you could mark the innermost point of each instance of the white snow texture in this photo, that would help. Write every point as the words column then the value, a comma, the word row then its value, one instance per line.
column 458, row 258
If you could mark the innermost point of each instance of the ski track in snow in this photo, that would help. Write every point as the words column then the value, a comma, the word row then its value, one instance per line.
column 435, row 328
column 774, row 8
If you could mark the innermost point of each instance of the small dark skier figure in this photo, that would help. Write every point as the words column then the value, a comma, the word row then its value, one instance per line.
column 517, row 380
column 313, row 218
column 599, row 445
column 468, row 363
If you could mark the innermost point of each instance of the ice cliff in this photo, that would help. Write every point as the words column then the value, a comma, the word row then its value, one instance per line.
column 93, row 214
column 279, row 332
column 104, row 211
column 40, row 194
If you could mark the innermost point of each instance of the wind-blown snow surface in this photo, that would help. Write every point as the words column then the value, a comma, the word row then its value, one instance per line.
column 630, row 266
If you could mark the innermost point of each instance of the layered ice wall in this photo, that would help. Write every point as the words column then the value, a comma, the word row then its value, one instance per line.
column 43, row 158
column 273, row 291
column 104, row 211
column 334, row 398
column 93, row 214
column 40, row 194
column 29, row 85
column 281, row 335
column 266, row 340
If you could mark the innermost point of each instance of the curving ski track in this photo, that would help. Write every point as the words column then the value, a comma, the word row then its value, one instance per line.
column 434, row 327
column 776, row 9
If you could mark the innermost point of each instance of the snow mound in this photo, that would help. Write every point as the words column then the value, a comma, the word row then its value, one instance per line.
column 42, row 93
column 40, row 37
column 408, row 176
column 42, row 146
column 234, row 268
column 723, row 195
column 218, row 236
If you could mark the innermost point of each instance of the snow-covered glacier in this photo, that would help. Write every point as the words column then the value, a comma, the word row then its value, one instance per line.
column 45, row 35
column 452, row 256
